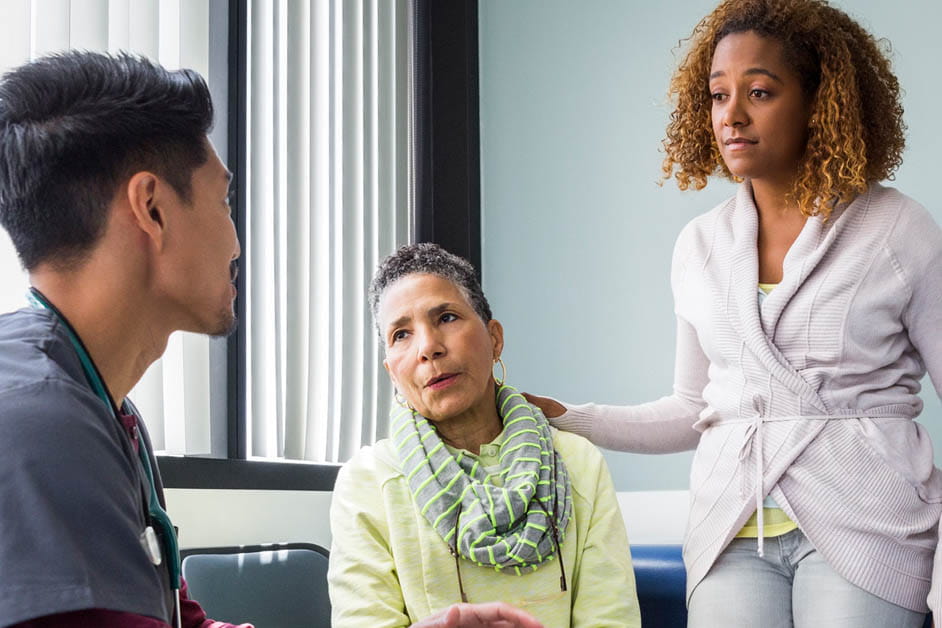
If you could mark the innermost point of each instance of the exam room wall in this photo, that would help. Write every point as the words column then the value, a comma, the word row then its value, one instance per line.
column 577, row 235
column 213, row 518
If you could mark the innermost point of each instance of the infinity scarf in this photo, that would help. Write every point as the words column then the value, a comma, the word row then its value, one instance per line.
column 505, row 527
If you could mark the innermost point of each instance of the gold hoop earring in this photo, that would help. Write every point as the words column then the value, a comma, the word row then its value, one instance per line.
column 503, row 372
column 401, row 400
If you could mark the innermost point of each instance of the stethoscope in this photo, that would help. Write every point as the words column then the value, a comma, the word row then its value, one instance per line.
column 157, row 515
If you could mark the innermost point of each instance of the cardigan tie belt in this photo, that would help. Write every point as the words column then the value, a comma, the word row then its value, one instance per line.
column 753, row 438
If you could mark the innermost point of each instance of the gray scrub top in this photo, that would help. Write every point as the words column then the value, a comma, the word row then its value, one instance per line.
column 72, row 499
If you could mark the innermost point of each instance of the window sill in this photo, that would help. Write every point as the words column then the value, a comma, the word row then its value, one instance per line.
column 217, row 473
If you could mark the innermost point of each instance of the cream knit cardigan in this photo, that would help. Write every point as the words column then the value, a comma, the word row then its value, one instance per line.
column 818, row 389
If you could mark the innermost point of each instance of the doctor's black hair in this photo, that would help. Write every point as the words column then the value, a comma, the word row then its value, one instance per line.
column 76, row 125
column 431, row 259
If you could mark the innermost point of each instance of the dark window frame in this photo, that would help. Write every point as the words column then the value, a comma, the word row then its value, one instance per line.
column 447, row 134
column 446, row 146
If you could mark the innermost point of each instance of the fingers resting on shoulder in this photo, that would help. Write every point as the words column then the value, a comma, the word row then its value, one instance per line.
column 550, row 407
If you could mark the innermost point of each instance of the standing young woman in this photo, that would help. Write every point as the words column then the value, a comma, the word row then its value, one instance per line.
column 809, row 307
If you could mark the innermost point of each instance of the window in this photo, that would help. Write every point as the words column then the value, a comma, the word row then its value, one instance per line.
column 327, row 197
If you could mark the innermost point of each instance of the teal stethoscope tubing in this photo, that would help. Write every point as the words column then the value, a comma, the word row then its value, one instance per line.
column 157, row 514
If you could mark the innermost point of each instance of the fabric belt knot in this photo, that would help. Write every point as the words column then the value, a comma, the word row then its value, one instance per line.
column 753, row 440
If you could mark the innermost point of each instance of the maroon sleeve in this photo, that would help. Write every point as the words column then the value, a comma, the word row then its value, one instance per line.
column 98, row 617
column 191, row 616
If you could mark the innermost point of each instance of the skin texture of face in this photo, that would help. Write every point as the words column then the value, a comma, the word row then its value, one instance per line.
column 439, row 353
column 203, row 247
column 760, row 112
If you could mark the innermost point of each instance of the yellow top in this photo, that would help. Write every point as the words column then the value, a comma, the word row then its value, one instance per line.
column 389, row 568
column 776, row 521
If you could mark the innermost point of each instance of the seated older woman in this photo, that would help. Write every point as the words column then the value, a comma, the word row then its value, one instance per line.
column 473, row 498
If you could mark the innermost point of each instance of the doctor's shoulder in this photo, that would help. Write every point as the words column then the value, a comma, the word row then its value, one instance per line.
column 45, row 404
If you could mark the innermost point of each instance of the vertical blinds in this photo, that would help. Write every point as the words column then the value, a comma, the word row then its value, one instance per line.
column 327, row 197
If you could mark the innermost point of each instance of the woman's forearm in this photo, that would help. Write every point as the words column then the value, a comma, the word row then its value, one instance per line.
column 656, row 427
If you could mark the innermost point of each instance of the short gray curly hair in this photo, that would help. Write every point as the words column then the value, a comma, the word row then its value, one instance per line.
column 427, row 258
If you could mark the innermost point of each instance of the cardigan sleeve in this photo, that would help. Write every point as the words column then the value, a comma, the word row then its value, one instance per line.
column 364, row 587
column 603, row 586
column 923, row 314
column 656, row 427
column 923, row 320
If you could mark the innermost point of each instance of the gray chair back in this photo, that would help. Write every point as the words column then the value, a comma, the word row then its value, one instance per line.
column 271, row 586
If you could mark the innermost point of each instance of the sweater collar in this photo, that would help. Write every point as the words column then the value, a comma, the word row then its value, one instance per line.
column 757, row 328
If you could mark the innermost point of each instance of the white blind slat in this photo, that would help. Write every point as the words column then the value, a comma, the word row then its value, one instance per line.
column 50, row 21
column 193, row 27
column 15, row 15
column 194, row 363
column 119, row 16
column 298, row 266
column 88, row 25
column 316, row 441
column 143, row 38
column 168, row 34
column 280, row 220
column 335, row 230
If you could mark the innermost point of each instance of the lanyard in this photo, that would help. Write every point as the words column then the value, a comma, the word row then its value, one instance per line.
column 157, row 514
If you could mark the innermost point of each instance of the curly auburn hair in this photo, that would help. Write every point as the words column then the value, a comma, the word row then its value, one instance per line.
column 857, row 132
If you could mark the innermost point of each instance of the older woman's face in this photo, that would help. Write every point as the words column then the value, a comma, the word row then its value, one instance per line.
column 439, row 353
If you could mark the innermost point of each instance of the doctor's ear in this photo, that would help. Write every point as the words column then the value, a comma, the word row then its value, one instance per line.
column 156, row 217
column 144, row 196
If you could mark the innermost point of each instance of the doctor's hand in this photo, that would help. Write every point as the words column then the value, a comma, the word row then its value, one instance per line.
column 489, row 615
column 550, row 408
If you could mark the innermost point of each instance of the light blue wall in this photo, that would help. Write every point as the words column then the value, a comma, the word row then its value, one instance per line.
column 577, row 235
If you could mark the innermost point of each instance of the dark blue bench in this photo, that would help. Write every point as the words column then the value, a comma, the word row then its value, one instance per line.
column 661, row 581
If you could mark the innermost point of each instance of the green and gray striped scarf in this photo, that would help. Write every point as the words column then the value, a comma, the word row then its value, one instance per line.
column 505, row 527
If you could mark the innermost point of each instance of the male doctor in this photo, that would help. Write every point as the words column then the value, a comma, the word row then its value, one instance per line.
column 116, row 203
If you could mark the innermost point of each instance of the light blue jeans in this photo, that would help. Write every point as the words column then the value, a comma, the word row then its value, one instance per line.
column 790, row 587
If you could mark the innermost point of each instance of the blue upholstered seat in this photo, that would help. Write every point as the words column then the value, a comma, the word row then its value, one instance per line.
column 661, row 581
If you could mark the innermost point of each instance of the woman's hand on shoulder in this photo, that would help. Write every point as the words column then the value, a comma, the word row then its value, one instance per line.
column 550, row 407
column 489, row 615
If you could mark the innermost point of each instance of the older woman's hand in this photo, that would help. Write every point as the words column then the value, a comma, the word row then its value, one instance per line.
column 550, row 408
column 489, row 615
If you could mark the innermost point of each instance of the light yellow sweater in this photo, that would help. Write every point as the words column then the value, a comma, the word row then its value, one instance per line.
column 388, row 567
